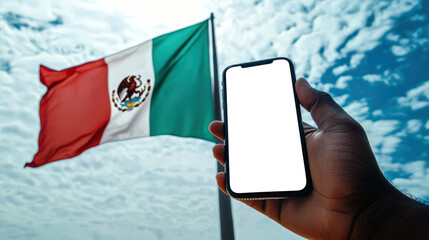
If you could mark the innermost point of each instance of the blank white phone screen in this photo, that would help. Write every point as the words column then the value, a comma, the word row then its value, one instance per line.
column 264, row 144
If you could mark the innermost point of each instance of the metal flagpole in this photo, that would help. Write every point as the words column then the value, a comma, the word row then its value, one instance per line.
column 226, row 224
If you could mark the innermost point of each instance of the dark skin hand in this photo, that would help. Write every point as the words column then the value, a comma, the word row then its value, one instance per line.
column 350, row 198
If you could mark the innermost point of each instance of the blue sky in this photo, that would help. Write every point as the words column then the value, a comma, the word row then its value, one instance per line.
column 371, row 56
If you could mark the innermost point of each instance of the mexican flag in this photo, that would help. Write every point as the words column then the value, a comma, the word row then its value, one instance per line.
column 161, row 86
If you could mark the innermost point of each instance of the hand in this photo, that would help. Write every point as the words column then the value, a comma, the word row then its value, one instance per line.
column 349, row 189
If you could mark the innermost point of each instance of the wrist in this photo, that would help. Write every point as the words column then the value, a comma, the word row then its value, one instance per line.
column 392, row 215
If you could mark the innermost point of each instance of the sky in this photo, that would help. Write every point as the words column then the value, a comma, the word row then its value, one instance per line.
column 371, row 56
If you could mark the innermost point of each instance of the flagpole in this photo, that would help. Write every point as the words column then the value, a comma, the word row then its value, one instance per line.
column 226, row 224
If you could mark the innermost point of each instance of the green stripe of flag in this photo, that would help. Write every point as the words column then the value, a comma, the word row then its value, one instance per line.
column 182, row 102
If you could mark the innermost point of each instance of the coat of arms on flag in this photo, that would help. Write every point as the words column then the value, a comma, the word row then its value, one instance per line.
column 130, row 93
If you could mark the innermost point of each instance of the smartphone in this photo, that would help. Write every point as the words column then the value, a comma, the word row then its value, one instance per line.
column 265, row 151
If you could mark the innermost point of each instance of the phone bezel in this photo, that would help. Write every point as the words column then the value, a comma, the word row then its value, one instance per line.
column 266, row 195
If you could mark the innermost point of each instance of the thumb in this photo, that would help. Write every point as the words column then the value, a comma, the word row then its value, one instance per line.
column 322, row 107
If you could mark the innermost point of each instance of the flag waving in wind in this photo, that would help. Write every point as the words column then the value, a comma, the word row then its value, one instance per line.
column 161, row 86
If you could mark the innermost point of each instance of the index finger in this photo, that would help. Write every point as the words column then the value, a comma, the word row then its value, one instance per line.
column 217, row 129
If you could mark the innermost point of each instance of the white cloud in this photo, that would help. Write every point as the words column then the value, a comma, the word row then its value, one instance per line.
column 392, row 37
column 414, row 125
column 390, row 144
column 358, row 109
column 340, row 69
column 377, row 113
column 404, row 41
column 373, row 78
column 380, row 135
column 367, row 39
column 326, row 87
column 400, row 50
column 416, row 98
column 282, row 29
column 354, row 62
column 427, row 124
column 356, row 59
column 387, row 77
column 419, row 177
column 418, row 18
column 342, row 82
column 405, row 46
column 161, row 14
column 341, row 99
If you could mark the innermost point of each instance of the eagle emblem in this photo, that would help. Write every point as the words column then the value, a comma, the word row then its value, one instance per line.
column 131, row 93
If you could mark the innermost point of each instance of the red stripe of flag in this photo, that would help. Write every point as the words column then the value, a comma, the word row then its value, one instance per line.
column 74, row 111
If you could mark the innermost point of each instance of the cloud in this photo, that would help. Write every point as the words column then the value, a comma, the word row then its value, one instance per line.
column 390, row 144
column 377, row 113
column 400, row 50
column 341, row 100
column 367, row 39
column 392, row 37
column 354, row 62
column 340, row 69
column 406, row 45
column 386, row 77
column 414, row 125
column 358, row 109
column 380, row 135
column 356, row 59
column 419, row 177
column 283, row 29
column 416, row 98
column 373, row 78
